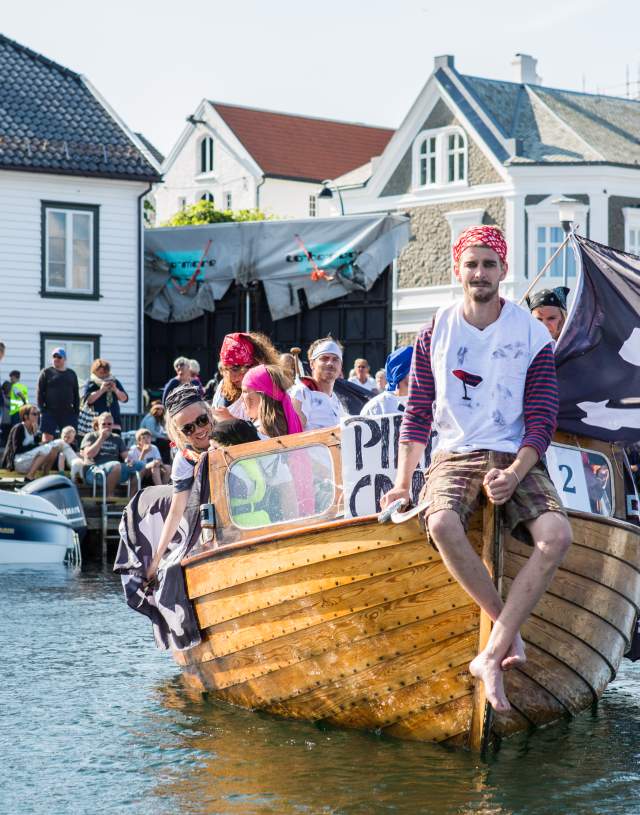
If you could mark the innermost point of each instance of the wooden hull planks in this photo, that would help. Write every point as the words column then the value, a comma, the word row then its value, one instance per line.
column 361, row 626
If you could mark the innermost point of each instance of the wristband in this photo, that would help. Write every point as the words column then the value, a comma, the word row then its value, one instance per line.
column 517, row 476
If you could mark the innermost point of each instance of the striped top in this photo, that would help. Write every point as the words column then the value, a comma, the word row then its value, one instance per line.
column 540, row 407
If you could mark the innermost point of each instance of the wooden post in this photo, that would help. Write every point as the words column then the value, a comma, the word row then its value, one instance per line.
column 482, row 712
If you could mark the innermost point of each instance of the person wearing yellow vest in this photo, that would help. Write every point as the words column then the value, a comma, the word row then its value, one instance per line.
column 18, row 396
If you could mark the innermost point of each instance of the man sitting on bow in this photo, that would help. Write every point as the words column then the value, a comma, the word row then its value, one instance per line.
column 483, row 378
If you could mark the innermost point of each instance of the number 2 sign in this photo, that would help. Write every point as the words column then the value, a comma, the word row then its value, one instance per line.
column 567, row 473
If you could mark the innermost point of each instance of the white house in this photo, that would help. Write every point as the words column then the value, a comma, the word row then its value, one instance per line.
column 474, row 150
column 72, row 180
column 244, row 158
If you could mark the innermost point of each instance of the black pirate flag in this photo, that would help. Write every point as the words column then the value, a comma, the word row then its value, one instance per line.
column 598, row 355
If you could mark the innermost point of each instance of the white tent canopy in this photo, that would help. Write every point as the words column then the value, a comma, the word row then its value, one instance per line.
column 188, row 268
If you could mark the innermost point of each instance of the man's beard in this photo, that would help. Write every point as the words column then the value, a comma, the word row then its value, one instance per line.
column 483, row 294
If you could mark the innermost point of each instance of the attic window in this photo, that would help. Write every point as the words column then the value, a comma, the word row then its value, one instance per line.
column 440, row 158
column 206, row 155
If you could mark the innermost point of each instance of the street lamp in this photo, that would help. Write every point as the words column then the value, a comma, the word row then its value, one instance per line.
column 326, row 192
column 567, row 215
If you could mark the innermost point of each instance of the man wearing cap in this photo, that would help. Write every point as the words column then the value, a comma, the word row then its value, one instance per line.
column 57, row 395
column 394, row 398
column 314, row 399
column 483, row 377
column 549, row 306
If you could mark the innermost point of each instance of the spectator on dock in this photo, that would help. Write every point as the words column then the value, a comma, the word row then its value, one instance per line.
column 267, row 403
column 363, row 375
column 381, row 380
column 394, row 398
column 18, row 396
column 147, row 453
column 181, row 366
column 25, row 452
column 194, row 369
column 313, row 398
column 57, row 395
column 103, row 392
column 189, row 425
column 153, row 421
column 75, row 464
column 103, row 451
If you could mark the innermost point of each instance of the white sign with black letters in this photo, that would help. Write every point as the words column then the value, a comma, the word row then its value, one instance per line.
column 566, row 469
column 370, row 461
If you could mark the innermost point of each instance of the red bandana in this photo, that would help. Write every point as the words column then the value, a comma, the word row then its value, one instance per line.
column 489, row 236
column 237, row 349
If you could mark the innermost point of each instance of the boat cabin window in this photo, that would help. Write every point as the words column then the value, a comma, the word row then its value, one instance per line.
column 277, row 488
column 583, row 478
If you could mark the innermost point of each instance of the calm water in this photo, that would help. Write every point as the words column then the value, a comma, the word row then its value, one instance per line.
column 95, row 720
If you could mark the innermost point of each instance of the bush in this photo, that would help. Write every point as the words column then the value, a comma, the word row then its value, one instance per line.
column 204, row 212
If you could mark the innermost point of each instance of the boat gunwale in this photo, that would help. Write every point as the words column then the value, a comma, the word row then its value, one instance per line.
column 336, row 523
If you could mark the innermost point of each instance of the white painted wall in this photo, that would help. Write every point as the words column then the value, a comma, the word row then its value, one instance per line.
column 183, row 179
column 287, row 199
column 24, row 313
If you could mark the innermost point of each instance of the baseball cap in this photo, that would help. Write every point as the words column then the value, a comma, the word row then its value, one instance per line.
column 60, row 352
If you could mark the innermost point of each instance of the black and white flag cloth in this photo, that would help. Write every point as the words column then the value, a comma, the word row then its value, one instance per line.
column 598, row 353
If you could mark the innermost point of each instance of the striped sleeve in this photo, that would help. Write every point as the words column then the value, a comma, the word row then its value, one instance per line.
column 418, row 414
column 540, row 401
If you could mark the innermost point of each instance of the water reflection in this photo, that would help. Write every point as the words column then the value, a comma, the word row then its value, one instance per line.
column 246, row 762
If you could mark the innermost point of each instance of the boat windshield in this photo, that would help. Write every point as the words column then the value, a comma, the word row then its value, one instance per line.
column 281, row 487
column 583, row 479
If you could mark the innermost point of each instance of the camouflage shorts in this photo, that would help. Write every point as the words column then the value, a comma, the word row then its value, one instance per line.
column 454, row 481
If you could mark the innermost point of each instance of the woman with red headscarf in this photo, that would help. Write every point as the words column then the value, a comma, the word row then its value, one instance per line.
column 240, row 352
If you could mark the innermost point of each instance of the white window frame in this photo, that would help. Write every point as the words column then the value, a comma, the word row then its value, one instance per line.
column 182, row 202
column 441, row 179
column 228, row 200
column 313, row 206
column 68, row 289
column 545, row 214
column 631, row 230
column 209, row 157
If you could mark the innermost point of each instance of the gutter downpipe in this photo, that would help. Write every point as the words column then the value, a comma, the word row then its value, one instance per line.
column 140, row 343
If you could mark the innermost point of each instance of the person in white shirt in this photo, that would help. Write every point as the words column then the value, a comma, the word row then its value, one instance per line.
column 147, row 453
column 394, row 398
column 363, row 375
column 316, row 403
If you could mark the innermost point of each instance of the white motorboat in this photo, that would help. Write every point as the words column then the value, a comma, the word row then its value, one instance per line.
column 33, row 530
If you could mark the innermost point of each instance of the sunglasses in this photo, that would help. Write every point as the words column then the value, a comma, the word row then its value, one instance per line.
column 189, row 428
column 57, row 356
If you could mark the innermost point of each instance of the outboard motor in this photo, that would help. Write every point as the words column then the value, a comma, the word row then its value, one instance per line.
column 63, row 494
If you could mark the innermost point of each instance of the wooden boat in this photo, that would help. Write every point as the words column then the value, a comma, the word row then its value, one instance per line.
column 359, row 624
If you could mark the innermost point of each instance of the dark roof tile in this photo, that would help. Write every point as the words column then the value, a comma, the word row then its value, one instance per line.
column 50, row 121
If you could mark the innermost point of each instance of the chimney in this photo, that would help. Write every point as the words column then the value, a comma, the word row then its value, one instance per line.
column 524, row 68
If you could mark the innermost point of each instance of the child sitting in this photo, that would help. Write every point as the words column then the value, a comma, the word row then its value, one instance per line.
column 146, row 453
column 76, row 463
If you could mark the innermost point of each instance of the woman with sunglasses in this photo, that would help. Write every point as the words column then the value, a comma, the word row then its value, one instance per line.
column 189, row 426
column 239, row 353
column 24, row 452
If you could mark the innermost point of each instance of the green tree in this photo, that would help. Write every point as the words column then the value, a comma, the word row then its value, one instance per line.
column 204, row 212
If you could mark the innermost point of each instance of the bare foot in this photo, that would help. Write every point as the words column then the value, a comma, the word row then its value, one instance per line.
column 489, row 672
column 515, row 655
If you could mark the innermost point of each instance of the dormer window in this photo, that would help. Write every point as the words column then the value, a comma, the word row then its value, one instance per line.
column 456, row 157
column 440, row 157
column 206, row 155
column 428, row 161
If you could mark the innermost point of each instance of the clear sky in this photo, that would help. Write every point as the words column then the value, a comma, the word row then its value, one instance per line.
column 358, row 60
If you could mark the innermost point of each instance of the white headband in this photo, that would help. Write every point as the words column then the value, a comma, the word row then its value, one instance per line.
column 327, row 347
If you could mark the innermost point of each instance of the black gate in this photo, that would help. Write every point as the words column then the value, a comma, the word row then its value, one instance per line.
column 360, row 320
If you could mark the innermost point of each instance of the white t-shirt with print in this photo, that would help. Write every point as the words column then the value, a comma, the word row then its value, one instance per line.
column 319, row 409
column 370, row 384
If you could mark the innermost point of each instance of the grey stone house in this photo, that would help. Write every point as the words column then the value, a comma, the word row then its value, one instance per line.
column 474, row 150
